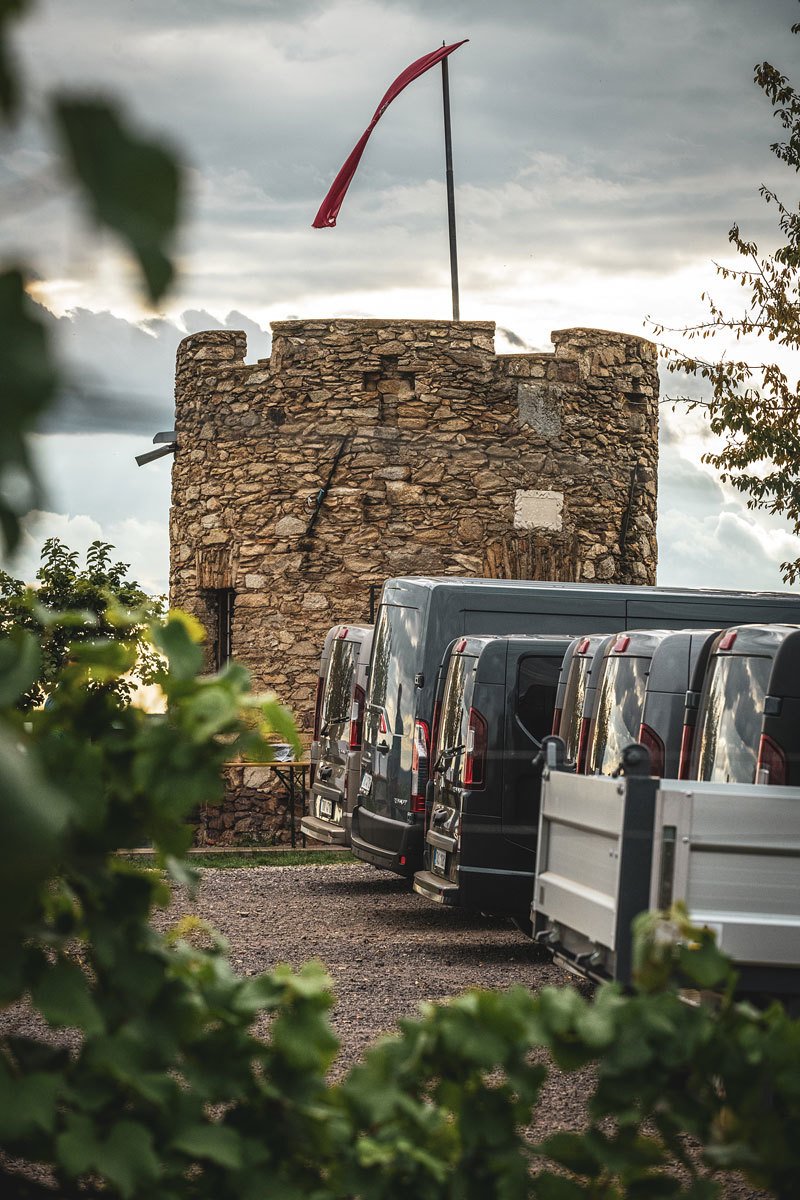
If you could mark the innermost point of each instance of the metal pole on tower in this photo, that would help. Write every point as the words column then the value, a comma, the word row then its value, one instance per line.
column 451, row 199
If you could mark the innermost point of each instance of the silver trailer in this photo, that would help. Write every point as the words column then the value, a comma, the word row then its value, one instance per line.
column 609, row 849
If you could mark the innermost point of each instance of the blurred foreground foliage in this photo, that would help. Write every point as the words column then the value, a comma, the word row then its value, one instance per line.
column 154, row 1075
column 129, row 184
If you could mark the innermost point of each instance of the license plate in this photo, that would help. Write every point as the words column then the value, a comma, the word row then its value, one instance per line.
column 365, row 786
column 439, row 860
column 325, row 807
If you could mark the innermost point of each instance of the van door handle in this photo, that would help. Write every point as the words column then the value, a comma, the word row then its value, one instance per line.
column 325, row 772
column 383, row 747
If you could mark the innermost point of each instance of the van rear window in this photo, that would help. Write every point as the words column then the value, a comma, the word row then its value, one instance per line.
column 536, row 693
column 729, row 723
column 619, row 712
column 451, row 741
column 337, row 697
column 574, row 696
column 394, row 664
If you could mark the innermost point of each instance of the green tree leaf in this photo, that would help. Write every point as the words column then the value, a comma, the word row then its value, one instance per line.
column 62, row 996
column 127, row 1158
column 217, row 1143
column 177, row 639
column 10, row 10
column 133, row 185
column 28, row 385
column 20, row 664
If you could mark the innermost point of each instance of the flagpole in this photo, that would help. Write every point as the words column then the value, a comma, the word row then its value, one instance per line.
column 451, row 197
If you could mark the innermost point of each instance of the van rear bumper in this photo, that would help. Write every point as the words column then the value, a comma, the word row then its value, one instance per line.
column 434, row 887
column 324, row 831
column 392, row 845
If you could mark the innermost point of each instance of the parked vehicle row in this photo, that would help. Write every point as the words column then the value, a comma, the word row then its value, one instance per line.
column 419, row 617
column 468, row 677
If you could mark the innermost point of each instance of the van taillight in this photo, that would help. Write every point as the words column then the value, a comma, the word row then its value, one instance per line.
column 687, row 741
column 583, row 745
column 382, row 726
column 357, row 718
column 420, row 756
column 771, row 765
column 557, row 720
column 649, row 738
column 475, row 755
column 318, row 707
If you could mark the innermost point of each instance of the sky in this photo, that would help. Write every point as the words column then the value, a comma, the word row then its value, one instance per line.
column 601, row 152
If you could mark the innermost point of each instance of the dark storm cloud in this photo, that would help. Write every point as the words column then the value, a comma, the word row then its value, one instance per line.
column 118, row 376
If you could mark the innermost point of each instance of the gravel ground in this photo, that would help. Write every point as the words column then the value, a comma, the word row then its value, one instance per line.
column 386, row 949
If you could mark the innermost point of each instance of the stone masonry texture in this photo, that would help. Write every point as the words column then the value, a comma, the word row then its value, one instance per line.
column 436, row 456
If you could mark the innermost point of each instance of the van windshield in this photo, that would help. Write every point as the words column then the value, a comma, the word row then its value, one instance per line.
column 338, row 695
column 574, row 696
column 451, row 740
column 619, row 712
column 393, row 666
column 729, row 723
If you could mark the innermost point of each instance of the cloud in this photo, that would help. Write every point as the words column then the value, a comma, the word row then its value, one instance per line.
column 119, row 374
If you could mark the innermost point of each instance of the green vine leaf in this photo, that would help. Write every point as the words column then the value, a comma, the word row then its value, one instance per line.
column 133, row 185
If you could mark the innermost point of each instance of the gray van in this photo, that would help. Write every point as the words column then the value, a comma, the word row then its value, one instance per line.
column 497, row 704
column 676, row 663
column 417, row 619
column 748, row 720
column 321, row 677
column 576, row 695
column 339, row 725
column 643, row 680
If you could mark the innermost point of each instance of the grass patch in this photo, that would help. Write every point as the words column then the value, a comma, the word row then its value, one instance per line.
column 255, row 858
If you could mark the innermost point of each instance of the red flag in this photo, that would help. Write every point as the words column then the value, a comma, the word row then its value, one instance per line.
column 329, row 209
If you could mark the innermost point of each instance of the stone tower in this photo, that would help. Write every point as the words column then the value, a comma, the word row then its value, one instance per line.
column 366, row 449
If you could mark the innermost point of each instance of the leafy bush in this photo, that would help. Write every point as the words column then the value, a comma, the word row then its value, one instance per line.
column 151, row 1081
column 100, row 599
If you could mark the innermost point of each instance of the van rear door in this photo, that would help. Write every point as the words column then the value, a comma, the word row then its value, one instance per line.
column 391, row 708
column 530, row 704
column 618, row 712
column 729, row 722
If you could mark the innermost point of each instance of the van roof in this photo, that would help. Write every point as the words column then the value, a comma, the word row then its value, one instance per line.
column 752, row 638
column 456, row 583
column 476, row 643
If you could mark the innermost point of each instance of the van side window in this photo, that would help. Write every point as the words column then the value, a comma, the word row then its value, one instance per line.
column 537, row 681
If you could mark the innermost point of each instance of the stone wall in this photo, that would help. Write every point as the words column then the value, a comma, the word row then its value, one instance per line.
column 435, row 455
column 255, row 811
